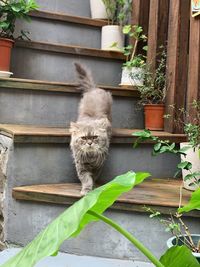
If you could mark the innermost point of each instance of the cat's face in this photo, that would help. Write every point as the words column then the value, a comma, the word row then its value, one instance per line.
column 89, row 139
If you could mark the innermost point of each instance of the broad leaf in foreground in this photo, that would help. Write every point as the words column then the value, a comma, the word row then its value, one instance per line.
column 179, row 256
column 74, row 219
column 193, row 204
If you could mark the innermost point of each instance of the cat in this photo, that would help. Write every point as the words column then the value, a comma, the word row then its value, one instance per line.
column 91, row 133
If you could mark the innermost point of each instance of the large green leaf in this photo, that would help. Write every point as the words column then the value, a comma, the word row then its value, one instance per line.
column 179, row 256
column 74, row 219
column 193, row 204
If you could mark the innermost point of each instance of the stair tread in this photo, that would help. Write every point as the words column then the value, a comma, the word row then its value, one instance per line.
column 15, row 131
column 28, row 84
column 68, row 18
column 163, row 193
column 71, row 49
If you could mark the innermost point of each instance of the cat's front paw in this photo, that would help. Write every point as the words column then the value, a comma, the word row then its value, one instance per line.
column 84, row 191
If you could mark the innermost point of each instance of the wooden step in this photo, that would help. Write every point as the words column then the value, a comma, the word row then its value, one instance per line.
column 33, row 134
column 25, row 84
column 68, row 18
column 71, row 49
column 159, row 194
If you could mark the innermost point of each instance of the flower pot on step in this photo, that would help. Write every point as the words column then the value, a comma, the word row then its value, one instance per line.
column 5, row 53
column 154, row 116
column 98, row 9
column 5, row 74
column 192, row 155
column 173, row 242
column 112, row 34
column 132, row 76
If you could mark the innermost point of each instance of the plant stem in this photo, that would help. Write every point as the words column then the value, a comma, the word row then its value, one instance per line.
column 131, row 238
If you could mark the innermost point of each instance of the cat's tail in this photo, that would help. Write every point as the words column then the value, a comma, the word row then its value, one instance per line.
column 85, row 79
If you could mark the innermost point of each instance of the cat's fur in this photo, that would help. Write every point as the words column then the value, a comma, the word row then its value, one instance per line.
column 90, row 134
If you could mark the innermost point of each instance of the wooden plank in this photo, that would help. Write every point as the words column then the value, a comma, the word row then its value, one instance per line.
column 177, row 60
column 31, row 133
column 158, row 25
column 161, row 194
column 68, row 18
column 24, row 84
column 194, row 62
column 69, row 49
column 140, row 16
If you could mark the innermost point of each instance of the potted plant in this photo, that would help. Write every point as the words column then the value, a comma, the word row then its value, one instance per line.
column 180, row 231
column 98, row 9
column 153, row 93
column 118, row 13
column 190, row 121
column 9, row 12
column 132, row 70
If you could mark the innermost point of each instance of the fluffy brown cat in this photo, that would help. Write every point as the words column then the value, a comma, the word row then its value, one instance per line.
column 90, row 134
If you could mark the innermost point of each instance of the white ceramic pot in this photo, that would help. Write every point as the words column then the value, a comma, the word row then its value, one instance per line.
column 98, row 9
column 173, row 242
column 5, row 74
column 192, row 155
column 132, row 76
column 112, row 34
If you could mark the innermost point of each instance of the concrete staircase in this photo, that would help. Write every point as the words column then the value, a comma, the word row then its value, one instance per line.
column 35, row 109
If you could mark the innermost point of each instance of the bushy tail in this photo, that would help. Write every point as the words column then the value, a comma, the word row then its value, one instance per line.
column 85, row 79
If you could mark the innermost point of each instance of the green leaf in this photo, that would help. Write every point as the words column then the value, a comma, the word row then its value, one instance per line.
column 74, row 219
column 179, row 256
column 185, row 165
column 194, row 203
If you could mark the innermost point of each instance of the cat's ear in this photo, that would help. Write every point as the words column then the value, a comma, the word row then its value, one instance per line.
column 104, row 123
column 74, row 127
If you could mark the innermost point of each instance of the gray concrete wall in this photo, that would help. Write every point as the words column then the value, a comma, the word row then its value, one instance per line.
column 50, row 66
column 97, row 239
column 59, row 109
column 43, row 30
column 74, row 7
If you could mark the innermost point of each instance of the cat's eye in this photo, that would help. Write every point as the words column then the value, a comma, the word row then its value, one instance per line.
column 83, row 137
column 95, row 137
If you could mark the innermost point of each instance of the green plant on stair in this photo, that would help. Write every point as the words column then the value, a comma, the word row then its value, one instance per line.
column 12, row 10
column 89, row 209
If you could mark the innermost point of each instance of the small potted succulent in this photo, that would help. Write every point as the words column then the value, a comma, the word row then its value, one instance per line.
column 10, row 10
column 98, row 9
column 190, row 121
column 153, row 93
column 118, row 14
column 132, row 71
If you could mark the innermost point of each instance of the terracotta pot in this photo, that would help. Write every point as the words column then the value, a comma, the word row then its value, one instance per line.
column 154, row 116
column 5, row 53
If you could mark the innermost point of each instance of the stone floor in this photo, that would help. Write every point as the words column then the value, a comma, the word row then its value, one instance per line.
column 67, row 260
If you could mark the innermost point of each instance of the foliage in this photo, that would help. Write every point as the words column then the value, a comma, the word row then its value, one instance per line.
column 118, row 11
column 135, row 34
column 10, row 10
column 194, row 202
column 90, row 208
column 164, row 146
column 189, row 120
column 153, row 90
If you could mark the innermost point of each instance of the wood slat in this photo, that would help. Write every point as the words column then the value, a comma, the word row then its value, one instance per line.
column 194, row 62
column 177, row 60
column 156, row 193
column 69, row 49
column 68, row 18
column 158, row 25
column 31, row 133
column 36, row 85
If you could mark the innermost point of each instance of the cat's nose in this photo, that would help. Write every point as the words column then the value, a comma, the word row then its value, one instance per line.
column 89, row 142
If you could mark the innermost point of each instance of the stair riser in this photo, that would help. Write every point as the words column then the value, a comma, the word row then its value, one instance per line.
column 43, row 30
column 52, row 66
column 97, row 239
column 77, row 8
column 58, row 109
column 53, row 163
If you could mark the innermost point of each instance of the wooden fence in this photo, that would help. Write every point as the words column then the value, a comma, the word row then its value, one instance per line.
column 169, row 22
